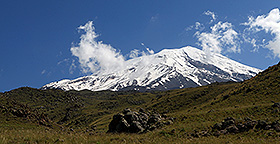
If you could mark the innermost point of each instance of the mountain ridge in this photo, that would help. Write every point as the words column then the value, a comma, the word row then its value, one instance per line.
column 165, row 70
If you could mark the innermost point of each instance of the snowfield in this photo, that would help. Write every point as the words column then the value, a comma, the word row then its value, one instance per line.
column 168, row 69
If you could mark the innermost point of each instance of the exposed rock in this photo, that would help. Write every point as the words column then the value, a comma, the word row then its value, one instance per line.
column 232, row 129
column 232, row 126
column 127, row 110
column 196, row 135
column 250, row 124
column 242, row 128
column 154, row 118
column 218, row 133
column 18, row 112
column 276, row 126
column 223, row 131
column 218, row 126
column 169, row 122
column 23, row 111
column 136, row 127
column 118, row 124
column 141, row 110
column 229, row 118
column 267, row 127
column 137, row 122
column 204, row 133
column 261, row 124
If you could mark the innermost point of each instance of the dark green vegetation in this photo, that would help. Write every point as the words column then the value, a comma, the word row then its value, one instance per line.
column 55, row 116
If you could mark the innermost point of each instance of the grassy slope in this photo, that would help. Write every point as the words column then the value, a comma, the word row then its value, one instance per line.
column 195, row 109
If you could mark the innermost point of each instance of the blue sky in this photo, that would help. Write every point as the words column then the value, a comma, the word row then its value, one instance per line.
column 36, row 36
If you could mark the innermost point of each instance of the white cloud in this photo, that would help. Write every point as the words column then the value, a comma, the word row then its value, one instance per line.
column 209, row 42
column 150, row 51
column 63, row 61
column 134, row 53
column 251, row 39
column 197, row 26
column 154, row 18
column 269, row 23
column 94, row 55
column 253, row 42
column 229, row 39
column 189, row 28
column 222, row 38
column 72, row 67
column 43, row 72
column 212, row 14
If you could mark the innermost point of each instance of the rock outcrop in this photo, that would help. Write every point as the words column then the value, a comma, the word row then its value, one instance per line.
column 137, row 122
column 19, row 110
column 232, row 126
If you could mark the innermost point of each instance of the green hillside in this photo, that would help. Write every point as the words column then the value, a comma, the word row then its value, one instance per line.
column 31, row 115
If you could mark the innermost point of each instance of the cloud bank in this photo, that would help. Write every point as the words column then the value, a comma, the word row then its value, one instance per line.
column 269, row 23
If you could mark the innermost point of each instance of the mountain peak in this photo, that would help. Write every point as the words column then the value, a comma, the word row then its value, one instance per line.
column 167, row 69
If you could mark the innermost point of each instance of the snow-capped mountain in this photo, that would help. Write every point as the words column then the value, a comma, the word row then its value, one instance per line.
column 168, row 69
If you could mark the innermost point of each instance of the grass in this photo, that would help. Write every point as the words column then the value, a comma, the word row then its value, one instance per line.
column 89, row 113
column 159, row 136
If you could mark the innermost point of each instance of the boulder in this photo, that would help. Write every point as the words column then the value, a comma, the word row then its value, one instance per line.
column 125, row 111
column 137, row 122
column 218, row 126
column 229, row 121
column 232, row 126
column 131, row 116
column 242, row 128
column 232, row 129
column 116, row 123
column 154, row 118
column 261, row 124
column 122, row 126
column 267, row 127
column 141, row 110
column 276, row 126
column 221, row 132
column 136, row 127
column 250, row 124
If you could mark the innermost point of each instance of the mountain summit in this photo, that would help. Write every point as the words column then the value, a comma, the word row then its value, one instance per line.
column 168, row 69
